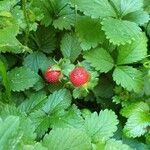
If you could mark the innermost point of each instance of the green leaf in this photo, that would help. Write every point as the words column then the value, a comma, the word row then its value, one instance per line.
column 5, row 80
column 35, row 102
column 133, row 52
column 101, row 126
column 65, row 19
column 95, row 8
column 89, row 38
column 44, row 39
column 120, row 31
column 22, row 78
column 140, row 17
column 135, row 108
column 36, row 146
column 68, row 138
column 100, row 59
column 70, row 47
column 58, row 101
column 127, row 6
column 36, row 61
column 129, row 78
column 116, row 145
column 137, row 124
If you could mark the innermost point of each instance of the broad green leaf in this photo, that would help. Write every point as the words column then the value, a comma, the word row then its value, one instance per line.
column 65, row 19
column 22, row 78
column 130, row 53
column 36, row 61
column 5, row 80
column 100, row 59
column 135, row 108
column 116, row 145
column 36, row 146
column 58, row 101
column 44, row 39
column 102, row 126
column 35, row 102
column 70, row 118
column 94, row 8
column 140, row 17
column 89, row 32
column 127, row 6
column 137, row 124
column 67, row 138
column 120, row 31
column 129, row 78
column 70, row 47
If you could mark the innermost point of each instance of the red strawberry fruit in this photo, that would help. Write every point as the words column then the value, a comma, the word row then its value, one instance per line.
column 52, row 75
column 79, row 76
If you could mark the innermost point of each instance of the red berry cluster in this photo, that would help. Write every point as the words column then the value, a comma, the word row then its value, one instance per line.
column 78, row 76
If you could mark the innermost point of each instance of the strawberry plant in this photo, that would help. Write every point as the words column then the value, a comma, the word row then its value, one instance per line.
column 74, row 74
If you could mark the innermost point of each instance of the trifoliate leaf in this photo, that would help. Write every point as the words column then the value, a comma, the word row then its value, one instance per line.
column 129, row 78
column 44, row 39
column 35, row 102
column 36, row 61
column 89, row 32
column 116, row 145
column 130, row 53
column 70, row 47
column 140, row 17
column 120, row 31
column 137, row 124
column 95, row 8
column 100, row 59
column 22, row 78
column 134, row 108
column 58, row 101
column 68, row 138
column 127, row 6
column 101, row 126
column 65, row 19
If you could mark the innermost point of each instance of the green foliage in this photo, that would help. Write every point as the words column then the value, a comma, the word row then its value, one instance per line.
column 110, row 39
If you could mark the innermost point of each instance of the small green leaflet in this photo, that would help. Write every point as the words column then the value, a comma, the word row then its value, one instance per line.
column 89, row 32
column 36, row 61
column 100, row 59
column 129, row 78
column 22, row 78
column 120, row 32
column 125, row 7
column 70, row 47
column 130, row 53
column 102, row 126
column 94, row 8
column 67, row 139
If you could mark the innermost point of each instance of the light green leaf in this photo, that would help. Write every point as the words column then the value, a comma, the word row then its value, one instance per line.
column 120, row 31
column 36, row 61
column 129, row 78
column 130, row 53
column 22, row 78
column 116, row 145
column 95, row 8
column 140, row 17
column 65, row 19
column 101, row 126
column 58, row 101
column 35, row 102
column 127, row 6
column 68, row 138
column 36, row 146
column 100, row 59
column 70, row 47
column 134, row 108
column 137, row 124
column 89, row 32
